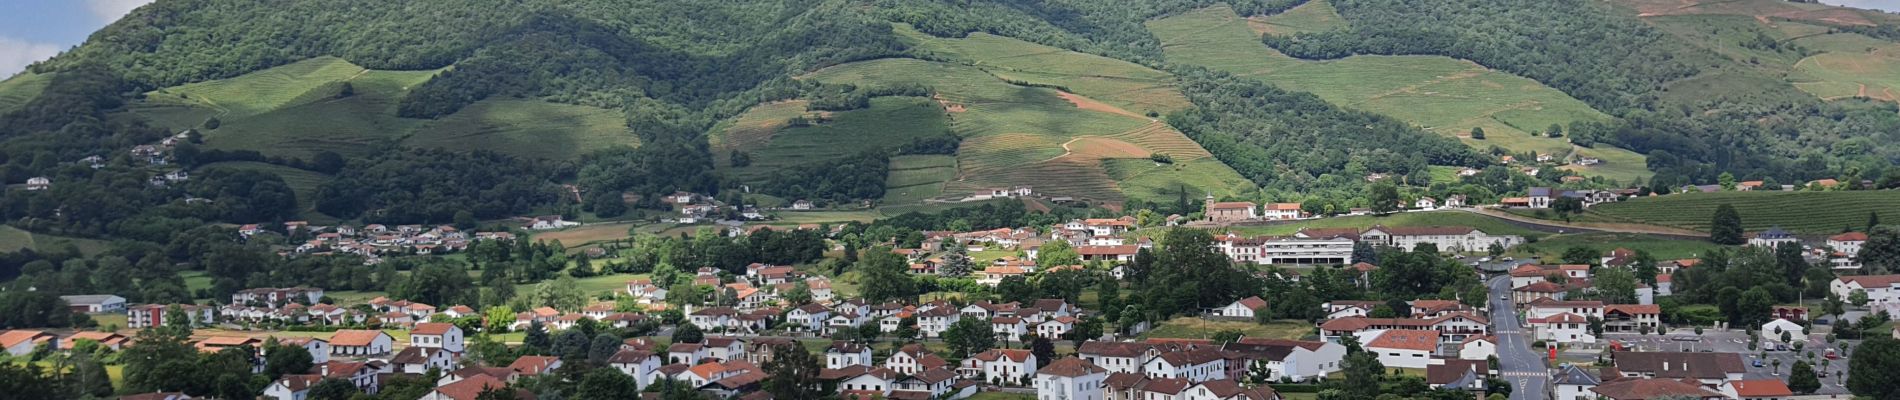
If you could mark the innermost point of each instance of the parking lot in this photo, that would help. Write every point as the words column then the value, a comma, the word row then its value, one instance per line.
column 1729, row 341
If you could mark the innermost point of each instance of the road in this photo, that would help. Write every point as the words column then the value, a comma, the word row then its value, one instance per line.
column 1519, row 364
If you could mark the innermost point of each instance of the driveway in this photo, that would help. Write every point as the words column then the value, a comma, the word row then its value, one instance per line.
column 1519, row 364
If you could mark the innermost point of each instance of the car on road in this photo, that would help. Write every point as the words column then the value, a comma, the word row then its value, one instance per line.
column 1757, row 362
column 1486, row 259
column 1686, row 338
column 1509, row 259
column 1831, row 355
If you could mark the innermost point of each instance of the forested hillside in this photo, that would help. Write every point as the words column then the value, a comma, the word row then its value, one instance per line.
column 411, row 111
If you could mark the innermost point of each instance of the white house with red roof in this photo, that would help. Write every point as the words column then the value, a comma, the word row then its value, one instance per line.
column 1281, row 211
column 1007, row 366
column 1562, row 328
column 438, row 335
column 1071, row 379
column 1195, row 365
column 1880, row 289
column 1402, row 348
column 360, row 343
column 1478, row 348
column 1765, row 389
column 1243, row 308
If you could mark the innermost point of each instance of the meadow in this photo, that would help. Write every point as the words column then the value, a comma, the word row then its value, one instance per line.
column 1814, row 213
column 751, row 129
column 14, row 239
column 1197, row 328
column 1440, row 94
column 1123, row 84
column 1663, row 248
column 914, row 178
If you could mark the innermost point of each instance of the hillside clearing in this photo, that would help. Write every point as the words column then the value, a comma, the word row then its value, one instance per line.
column 527, row 128
column 22, row 88
column 1440, row 94
column 917, row 177
column 888, row 123
column 1314, row 16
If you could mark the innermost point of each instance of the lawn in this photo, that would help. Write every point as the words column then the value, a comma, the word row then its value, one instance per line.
column 1440, row 94
column 1814, row 213
column 528, row 128
column 1197, row 328
column 1663, row 248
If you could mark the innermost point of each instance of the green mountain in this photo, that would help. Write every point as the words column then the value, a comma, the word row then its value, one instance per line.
column 419, row 111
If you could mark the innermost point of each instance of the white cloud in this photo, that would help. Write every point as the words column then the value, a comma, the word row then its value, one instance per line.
column 1885, row 5
column 110, row 10
column 15, row 54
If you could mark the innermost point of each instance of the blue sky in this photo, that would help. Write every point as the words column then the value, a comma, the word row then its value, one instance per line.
column 33, row 30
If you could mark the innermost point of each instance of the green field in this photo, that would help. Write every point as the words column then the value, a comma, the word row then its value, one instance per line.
column 889, row 122
column 919, row 177
column 1440, row 94
column 16, row 91
column 302, row 182
column 527, row 128
column 1196, row 328
column 1054, row 141
column 1487, row 224
column 1663, row 248
column 1314, row 16
column 1814, row 213
column 269, row 90
column 14, row 239
column 751, row 129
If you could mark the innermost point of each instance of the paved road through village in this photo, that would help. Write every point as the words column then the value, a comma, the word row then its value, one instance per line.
column 1520, row 365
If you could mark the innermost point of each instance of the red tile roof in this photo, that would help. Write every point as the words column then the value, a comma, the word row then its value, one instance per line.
column 355, row 337
column 431, row 328
column 1762, row 388
column 1407, row 339
column 1071, row 367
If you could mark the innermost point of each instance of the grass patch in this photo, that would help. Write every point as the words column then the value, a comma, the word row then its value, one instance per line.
column 751, row 129
column 1487, row 224
column 1197, row 328
column 1314, row 16
column 14, row 239
column 20, row 89
column 1814, row 213
column 1663, row 248
column 1123, row 84
column 1440, row 94
column 528, row 128
column 585, row 234
column 268, row 90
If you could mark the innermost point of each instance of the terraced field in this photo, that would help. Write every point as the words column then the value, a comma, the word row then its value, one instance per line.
column 1800, row 212
column 1052, row 140
column 1837, row 65
column 751, row 129
column 917, row 177
column 889, row 122
column 16, row 91
column 268, row 90
column 527, row 128
column 1441, row 94
column 1762, row 9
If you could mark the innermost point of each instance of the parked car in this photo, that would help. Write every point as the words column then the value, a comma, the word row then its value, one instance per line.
column 1757, row 362
column 1831, row 355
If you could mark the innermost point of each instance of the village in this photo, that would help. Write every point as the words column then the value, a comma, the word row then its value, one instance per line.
column 1526, row 337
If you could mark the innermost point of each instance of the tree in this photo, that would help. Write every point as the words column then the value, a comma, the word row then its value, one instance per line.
column 1874, row 367
column 1754, row 306
column 1044, row 349
column 800, row 293
column 1881, row 252
column 688, row 333
column 1616, row 285
column 1383, row 196
column 1496, row 249
column 956, row 263
column 160, row 360
column 1858, row 298
column 1477, row 133
column 906, row 328
column 1227, row 336
column 884, row 276
column 1056, row 254
column 793, row 374
column 1362, row 370
column 1580, row 255
column 1727, row 180
column 284, row 359
column 1726, row 228
column 1554, row 131
column 1873, row 220
column 1567, row 206
column 607, row 384
column 91, row 378
column 602, row 348
column 332, row 389
column 536, row 341
column 969, row 336
column 1801, row 378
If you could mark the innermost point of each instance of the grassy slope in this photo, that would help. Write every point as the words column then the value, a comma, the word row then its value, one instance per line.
column 1840, row 65
column 888, row 123
column 1441, row 94
column 1799, row 212
column 528, row 128
column 1016, row 135
column 1553, row 247
column 16, row 91
column 14, row 239
column 294, row 110
column 751, row 129
column 1196, row 328
column 918, row 177
column 1314, row 16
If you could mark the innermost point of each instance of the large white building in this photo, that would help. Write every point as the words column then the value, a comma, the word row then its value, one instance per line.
column 1291, row 250
column 1880, row 289
column 1402, row 348
column 1447, row 238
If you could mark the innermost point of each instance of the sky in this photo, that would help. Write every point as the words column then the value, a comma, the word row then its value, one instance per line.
column 33, row 30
